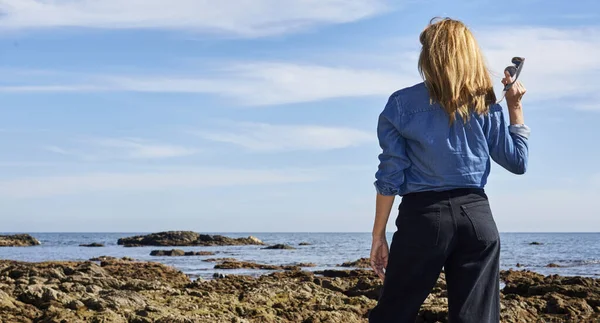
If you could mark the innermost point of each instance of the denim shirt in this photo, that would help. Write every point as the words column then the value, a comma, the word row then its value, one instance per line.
column 422, row 151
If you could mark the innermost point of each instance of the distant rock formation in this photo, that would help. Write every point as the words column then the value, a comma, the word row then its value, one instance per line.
column 179, row 253
column 18, row 240
column 185, row 238
column 280, row 246
column 92, row 245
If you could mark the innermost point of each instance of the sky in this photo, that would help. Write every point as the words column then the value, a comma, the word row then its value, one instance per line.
column 261, row 115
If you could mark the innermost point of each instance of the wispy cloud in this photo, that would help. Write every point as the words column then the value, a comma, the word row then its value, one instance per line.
column 265, row 137
column 248, row 18
column 122, row 148
column 58, row 150
column 561, row 63
column 45, row 186
column 254, row 84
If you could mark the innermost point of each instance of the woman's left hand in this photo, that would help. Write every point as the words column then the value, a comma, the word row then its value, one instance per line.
column 379, row 256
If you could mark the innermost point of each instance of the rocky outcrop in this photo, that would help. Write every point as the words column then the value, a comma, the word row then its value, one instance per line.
column 119, row 290
column 18, row 240
column 219, row 259
column 529, row 296
column 92, row 245
column 185, row 238
column 178, row 252
column 360, row 263
column 280, row 246
column 110, row 258
column 252, row 265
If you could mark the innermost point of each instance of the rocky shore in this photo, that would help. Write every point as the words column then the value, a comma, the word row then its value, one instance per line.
column 185, row 238
column 124, row 290
column 18, row 240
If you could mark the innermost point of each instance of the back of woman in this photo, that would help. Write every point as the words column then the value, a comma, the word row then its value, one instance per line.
column 438, row 139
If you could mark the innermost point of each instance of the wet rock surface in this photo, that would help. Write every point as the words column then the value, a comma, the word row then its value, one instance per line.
column 185, row 238
column 18, row 240
column 118, row 290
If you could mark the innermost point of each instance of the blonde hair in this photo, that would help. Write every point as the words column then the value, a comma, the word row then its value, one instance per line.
column 454, row 70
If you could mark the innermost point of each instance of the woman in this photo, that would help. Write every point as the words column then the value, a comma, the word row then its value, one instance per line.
column 437, row 140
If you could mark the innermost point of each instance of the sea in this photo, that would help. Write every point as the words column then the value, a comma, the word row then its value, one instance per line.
column 576, row 254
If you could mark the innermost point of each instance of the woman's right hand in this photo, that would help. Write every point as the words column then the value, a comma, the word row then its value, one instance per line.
column 515, row 93
column 379, row 255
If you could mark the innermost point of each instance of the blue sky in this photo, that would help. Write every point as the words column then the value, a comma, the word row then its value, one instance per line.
column 261, row 115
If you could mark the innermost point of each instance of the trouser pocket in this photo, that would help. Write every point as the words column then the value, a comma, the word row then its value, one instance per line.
column 480, row 215
column 418, row 226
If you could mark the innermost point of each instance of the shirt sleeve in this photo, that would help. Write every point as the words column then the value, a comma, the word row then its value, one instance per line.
column 508, row 145
column 393, row 159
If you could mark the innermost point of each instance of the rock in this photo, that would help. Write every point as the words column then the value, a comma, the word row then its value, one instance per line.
column 117, row 299
column 178, row 252
column 535, row 243
column 104, row 258
column 304, row 244
column 553, row 265
column 360, row 263
column 174, row 252
column 129, row 291
column 92, row 245
column 303, row 264
column 199, row 253
column 109, row 258
column 219, row 259
column 185, row 238
column 75, row 305
column 251, row 265
column 217, row 275
column 280, row 246
column 18, row 240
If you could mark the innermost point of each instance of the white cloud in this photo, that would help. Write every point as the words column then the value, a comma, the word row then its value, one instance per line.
column 559, row 63
column 137, row 148
column 268, row 137
column 45, row 186
column 252, row 84
column 49, row 88
column 268, row 83
column 123, row 148
column 249, row 18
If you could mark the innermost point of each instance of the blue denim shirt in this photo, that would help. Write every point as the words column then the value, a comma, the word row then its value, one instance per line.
column 422, row 151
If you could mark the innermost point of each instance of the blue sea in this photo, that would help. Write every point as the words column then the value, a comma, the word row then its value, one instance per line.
column 577, row 254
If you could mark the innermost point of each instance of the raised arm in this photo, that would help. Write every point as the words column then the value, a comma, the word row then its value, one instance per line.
column 508, row 144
